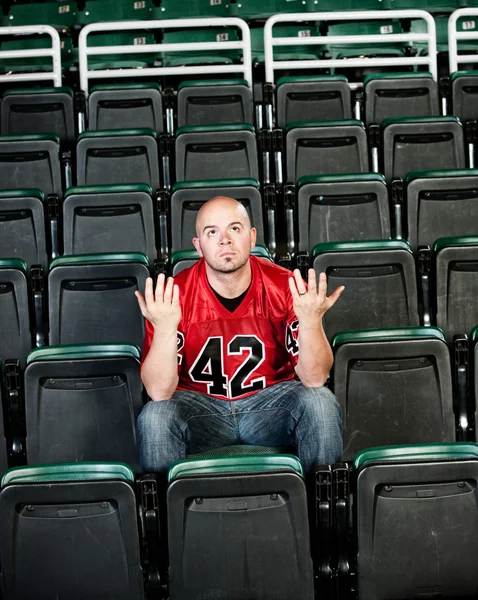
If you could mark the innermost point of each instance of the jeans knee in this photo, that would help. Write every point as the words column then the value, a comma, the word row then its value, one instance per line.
column 154, row 419
column 321, row 401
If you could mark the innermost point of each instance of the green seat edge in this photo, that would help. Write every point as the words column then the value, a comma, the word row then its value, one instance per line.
column 387, row 334
column 346, row 177
column 78, row 351
column 109, row 189
column 211, row 82
column 99, row 258
column 360, row 246
column 215, row 183
column 446, row 242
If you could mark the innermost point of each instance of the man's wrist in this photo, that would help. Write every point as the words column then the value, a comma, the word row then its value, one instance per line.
column 315, row 322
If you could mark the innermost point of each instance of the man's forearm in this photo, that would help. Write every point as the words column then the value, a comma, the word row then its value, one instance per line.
column 159, row 371
column 315, row 355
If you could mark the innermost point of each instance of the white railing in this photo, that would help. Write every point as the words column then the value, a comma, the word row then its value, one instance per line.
column 384, row 38
column 54, row 52
column 454, row 36
column 86, row 74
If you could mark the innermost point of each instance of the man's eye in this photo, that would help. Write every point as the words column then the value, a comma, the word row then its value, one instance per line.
column 211, row 232
column 236, row 228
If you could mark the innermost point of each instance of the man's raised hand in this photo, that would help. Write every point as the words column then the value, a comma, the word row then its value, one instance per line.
column 161, row 307
column 311, row 304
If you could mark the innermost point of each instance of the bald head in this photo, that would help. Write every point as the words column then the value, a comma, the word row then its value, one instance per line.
column 214, row 209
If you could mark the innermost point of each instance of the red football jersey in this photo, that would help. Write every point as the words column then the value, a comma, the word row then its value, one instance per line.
column 232, row 355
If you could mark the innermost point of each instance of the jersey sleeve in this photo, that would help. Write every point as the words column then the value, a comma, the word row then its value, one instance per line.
column 148, row 340
column 291, row 332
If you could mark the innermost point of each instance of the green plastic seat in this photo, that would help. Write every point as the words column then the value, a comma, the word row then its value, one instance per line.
column 98, row 259
column 60, row 15
column 83, row 351
column 441, row 23
column 171, row 9
column 33, row 64
column 121, row 61
column 286, row 52
column 345, row 5
column 205, row 35
column 346, row 50
column 234, row 464
column 432, row 6
column 96, row 11
column 263, row 9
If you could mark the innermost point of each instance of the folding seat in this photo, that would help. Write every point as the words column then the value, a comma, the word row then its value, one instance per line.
column 299, row 52
column 398, row 95
column 332, row 208
column 464, row 91
column 61, row 525
column 22, row 226
column 205, row 35
column 263, row 9
column 122, row 106
column 421, row 143
column 215, row 102
column 432, row 6
column 109, row 218
column 216, row 152
column 386, row 380
column 3, row 423
column 456, row 279
column 15, row 328
column 91, row 299
column 60, row 15
column 96, row 11
column 42, row 110
column 380, row 284
column 441, row 204
column 351, row 50
column 217, row 504
column 31, row 161
column 183, row 259
column 346, row 5
column 325, row 148
column 121, row 38
column 34, row 42
column 81, row 404
column 313, row 98
column 424, row 499
column 188, row 197
column 117, row 156
column 170, row 9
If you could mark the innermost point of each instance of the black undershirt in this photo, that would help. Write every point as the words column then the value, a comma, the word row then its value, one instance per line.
column 230, row 304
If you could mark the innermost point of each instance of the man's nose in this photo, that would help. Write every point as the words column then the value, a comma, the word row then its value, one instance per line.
column 225, row 238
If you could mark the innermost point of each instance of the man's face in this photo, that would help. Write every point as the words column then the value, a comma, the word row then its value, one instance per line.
column 225, row 236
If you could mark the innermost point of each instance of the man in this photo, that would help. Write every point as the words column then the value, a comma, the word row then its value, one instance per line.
column 223, row 345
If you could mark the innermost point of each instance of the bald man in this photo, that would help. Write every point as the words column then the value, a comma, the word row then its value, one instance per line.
column 225, row 342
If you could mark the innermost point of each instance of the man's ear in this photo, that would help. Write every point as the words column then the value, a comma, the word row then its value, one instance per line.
column 197, row 245
column 253, row 234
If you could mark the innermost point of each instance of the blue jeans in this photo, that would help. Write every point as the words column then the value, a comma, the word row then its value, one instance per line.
column 285, row 414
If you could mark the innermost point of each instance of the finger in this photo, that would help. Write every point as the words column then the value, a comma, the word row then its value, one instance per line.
column 168, row 292
column 293, row 288
column 322, row 287
column 311, row 283
column 299, row 282
column 176, row 295
column 148, row 292
column 159, row 287
column 141, row 303
column 335, row 295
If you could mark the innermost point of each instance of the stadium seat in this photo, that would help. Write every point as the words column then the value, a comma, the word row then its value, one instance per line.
column 15, row 328
column 474, row 374
column 61, row 525
column 397, row 95
column 188, row 197
column 216, row 152
column 31, row 161
column 380, row 284
column 420, row 144
column 121, row 38
column 60, row 15
column 441, row 204
column 313, row 98
column 333, row 208
column 217, row 504
column 263, row 9
column 386, row 380
column 3, row 424
column 114, row 218
column 325, row 148
column 206, row 35
column 22, row 226
column 81, row 404
column 96, row 11
column 424, row 499
column 183, row 259
column 171, row 9
column 351, row 50
column 455, row 270
column 214, row 102
column 42, row 110
column 92, row 301
column 126, row 106
column 299, row 52
column 432, row 6
column 346, row 5
column 34, row 64
column 117, row 156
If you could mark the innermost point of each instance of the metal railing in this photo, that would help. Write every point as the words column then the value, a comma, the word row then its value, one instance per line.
column 454, row 36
